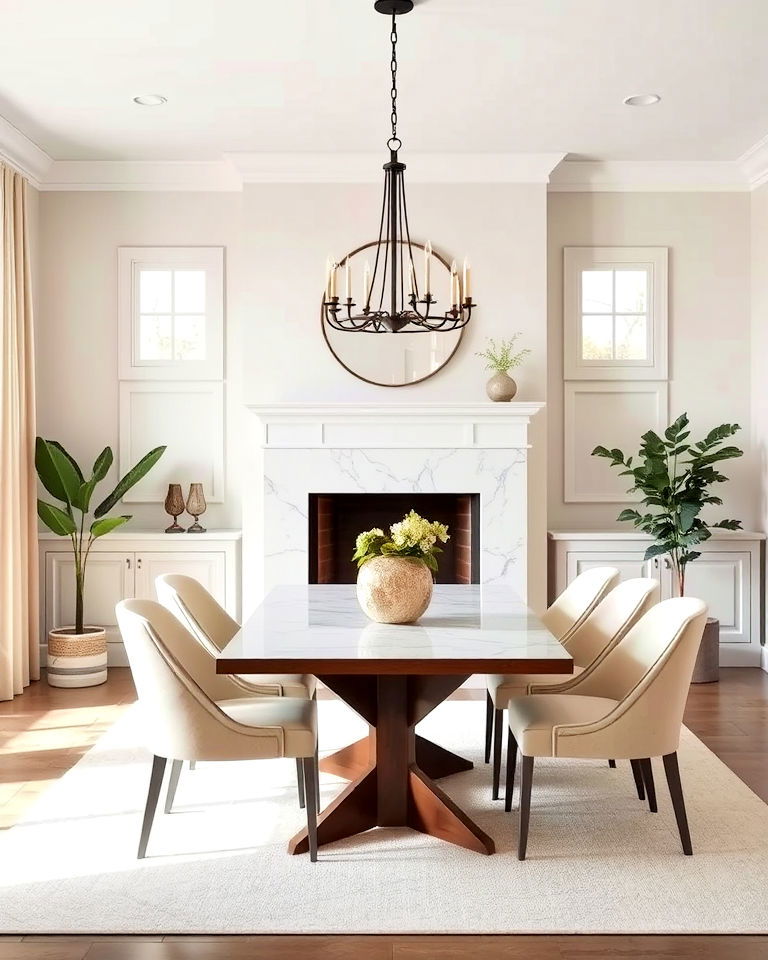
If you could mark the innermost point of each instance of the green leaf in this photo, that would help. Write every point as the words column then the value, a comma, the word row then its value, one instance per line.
column 130, row 479
column 56, row 519
column 83, row 499
column 102, row 464
column 73, row 463
column 631, row 515
column 655, row 550
column 688, row 512
column 106, row 525
column 430, row 562
column 48, row 470
column 728, row 524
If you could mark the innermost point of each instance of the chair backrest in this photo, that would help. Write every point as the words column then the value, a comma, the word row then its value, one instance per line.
column 649, row 672
column 578, row 600
column 180, row 719
column 613, row 616
column 197, row 610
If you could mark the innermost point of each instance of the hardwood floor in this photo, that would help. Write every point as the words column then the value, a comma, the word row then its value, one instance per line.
column 45, row 731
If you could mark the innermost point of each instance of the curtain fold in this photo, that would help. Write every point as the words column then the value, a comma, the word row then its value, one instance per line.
column 19, row 629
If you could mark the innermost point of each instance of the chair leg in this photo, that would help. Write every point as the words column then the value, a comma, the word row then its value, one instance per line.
column 155, row 782
column 317, row 780
column 310, row 782
column 173, row 782
column 525, row 806
column 672, row 771
column 192, row 764
column 300, row 781
column 488, row 726
column 650, row 788
column 498, row 729
column 509, row 787
column 612, row 764
column 637, row 773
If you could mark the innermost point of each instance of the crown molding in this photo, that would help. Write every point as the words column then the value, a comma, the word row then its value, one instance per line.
column 754, row 163
column 583, row 176
column 168, row 175
column 20, row 152
column 422, row 167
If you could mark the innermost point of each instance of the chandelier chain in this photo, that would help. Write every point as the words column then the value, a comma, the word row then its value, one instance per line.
column 393, row 70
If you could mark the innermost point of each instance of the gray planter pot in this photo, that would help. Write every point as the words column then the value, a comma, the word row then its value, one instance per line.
column 707, row 666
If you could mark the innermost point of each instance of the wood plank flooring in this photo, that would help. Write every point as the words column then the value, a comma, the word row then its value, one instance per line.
column 45, row 731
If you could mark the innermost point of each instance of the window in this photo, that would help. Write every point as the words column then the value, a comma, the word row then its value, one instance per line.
column 171, row 312
column 615, row 313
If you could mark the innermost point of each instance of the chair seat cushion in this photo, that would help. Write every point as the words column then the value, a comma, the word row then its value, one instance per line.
column 281, row 684
column 532, row 718
column 296, row 717
column 502, row 687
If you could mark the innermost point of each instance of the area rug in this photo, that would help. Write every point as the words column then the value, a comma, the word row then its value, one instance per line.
column 598, row 861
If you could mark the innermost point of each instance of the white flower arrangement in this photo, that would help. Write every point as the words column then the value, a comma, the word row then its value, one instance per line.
column 412, row 537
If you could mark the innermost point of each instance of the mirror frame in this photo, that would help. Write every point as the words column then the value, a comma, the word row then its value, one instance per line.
column 376, row 383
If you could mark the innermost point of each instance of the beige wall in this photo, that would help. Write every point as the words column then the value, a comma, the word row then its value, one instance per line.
column 277, row 239
column 708, row 235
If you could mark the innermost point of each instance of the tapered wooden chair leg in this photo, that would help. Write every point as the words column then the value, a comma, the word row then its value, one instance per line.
column 612, row 764
column 317, row 780
column 155, row 782
column 525, row 806
column 488, row 726
column 310, row 785
column 672, row 771
column 173, row 782
column 637, row 773
column 300, row 781
column 509, row 787
column 650, row 787
column 498, row 731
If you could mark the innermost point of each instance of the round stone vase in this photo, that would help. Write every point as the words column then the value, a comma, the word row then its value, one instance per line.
column 501, row 388
column 394, row 589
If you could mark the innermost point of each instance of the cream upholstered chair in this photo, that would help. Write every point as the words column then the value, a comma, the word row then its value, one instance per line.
column 587, row 643
column 183, row 722
column 207, row 621
column 629, row 706
column 571, row 608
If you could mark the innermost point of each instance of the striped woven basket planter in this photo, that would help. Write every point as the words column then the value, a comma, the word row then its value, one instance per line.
column 77, row 659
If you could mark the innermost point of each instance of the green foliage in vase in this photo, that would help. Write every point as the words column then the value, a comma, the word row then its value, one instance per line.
column 412, row 537
column 62, row 477
column 499, row 355
column 674, row 478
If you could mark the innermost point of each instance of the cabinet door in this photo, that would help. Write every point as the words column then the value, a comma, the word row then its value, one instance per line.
column 722, row 579
column 109, row 579
column 629, row 563
column 209, row 567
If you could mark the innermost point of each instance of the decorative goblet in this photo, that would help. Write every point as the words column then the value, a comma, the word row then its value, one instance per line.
column 196, row 505
column 174, row 505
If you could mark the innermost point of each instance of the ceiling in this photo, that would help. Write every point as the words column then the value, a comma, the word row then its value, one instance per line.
column 495, row 76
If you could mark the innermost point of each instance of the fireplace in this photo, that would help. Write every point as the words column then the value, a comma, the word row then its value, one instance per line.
column 335, row 519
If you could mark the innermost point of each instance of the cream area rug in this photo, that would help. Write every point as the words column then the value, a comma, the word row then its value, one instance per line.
column 599, row 862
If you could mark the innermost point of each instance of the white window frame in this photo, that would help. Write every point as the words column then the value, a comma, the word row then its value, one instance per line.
column 652, row 259
column 129, row 261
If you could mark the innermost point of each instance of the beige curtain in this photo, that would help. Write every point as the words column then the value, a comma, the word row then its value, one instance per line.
column 19, row 636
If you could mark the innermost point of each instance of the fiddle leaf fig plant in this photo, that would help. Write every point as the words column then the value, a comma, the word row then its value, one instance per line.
column 62, row 477
column 675, row 478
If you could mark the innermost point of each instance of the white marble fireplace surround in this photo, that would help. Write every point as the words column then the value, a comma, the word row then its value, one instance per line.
column 385, row 448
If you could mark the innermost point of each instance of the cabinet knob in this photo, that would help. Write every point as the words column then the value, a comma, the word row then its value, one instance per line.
column 667, row 564
column 128, row 563
column 656, row 562
column 138, row 563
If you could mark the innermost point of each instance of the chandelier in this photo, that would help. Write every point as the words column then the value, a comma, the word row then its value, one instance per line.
column 385, row 306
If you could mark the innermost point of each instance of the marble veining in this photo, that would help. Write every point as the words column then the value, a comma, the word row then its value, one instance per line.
column 318, row 622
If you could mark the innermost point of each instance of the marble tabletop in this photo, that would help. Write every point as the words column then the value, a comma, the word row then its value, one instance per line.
column 320, row 629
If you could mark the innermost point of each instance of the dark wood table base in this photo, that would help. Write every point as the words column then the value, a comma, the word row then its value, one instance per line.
column 392, row 770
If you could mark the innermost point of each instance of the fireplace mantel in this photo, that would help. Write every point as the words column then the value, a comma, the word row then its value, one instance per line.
column 482, row 425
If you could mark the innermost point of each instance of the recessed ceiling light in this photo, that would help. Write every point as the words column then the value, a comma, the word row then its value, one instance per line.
column 642, row 99
column 151, row 100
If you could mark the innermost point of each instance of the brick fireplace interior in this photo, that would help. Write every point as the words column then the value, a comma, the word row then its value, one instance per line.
column 335, row 519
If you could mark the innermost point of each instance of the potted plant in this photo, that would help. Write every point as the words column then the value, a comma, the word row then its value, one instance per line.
column 77, row 654
column 394, row 581
column 501, row 358
column 675, row 478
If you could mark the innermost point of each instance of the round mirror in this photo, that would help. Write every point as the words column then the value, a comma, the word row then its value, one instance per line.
column 394, row 359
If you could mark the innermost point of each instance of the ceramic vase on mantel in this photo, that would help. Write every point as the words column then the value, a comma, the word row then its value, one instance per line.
column 501, row 388
column 394, row 589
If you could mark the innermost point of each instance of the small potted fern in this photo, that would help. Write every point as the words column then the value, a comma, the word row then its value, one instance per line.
column 500, row 357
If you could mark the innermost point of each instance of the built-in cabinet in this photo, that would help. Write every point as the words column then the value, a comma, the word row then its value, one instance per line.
column 124, row 565
column 727, row 576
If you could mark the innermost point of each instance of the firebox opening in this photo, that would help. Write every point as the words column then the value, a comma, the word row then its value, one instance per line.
column 335, row 519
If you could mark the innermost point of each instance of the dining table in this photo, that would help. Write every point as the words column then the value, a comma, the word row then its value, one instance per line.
column 393, row 676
